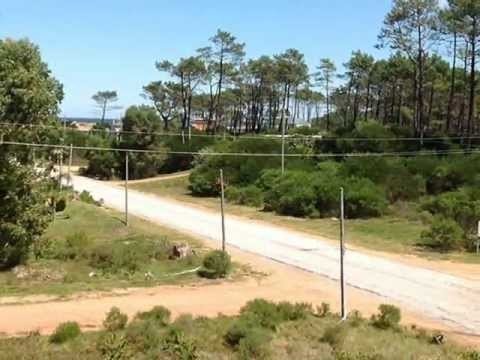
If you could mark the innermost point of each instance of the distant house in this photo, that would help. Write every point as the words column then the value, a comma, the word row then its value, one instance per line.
column 199, row 122
column 86, row 124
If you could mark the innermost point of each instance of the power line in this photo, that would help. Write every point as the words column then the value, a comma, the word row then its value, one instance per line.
column 237, row 154
column 278, row 137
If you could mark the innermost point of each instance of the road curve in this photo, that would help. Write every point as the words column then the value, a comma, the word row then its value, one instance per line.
column 450, row 299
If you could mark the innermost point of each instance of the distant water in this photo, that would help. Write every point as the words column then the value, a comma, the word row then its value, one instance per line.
column 87, row 120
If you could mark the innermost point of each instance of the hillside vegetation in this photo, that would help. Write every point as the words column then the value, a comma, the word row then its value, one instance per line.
column 263, row 330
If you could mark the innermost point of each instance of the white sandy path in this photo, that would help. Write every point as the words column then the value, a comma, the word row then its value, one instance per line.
column 452, row 300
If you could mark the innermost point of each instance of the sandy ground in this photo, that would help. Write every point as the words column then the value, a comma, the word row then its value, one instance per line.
column 444, row 297
column 300, row 268
column 276, row 281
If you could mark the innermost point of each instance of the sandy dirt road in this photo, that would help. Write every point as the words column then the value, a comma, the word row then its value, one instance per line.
column 445, row 298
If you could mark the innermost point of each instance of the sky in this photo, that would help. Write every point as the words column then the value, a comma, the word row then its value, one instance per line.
column 114, row 44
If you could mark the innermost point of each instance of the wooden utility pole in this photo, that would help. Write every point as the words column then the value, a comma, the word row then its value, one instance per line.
column 70, row 159
column 478, row 239
column 60, row 170
column 342, row 254
column 222, row 205
column 126, row 188
column 284, row 120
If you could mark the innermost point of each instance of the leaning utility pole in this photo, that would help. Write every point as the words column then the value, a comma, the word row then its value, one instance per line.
column 222, row 205
column 126, row 188
column 342, row 254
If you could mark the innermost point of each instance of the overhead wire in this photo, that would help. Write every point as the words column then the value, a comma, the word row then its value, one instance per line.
column 299, row 137
column 246, row 154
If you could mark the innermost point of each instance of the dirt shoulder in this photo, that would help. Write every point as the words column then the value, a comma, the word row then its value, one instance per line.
column 279, row 283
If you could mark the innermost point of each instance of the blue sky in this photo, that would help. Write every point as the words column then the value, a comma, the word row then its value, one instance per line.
column 113, row 45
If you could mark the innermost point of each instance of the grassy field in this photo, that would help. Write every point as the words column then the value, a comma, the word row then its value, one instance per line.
column 65, row 264
column 260, row 332
column 396, row 233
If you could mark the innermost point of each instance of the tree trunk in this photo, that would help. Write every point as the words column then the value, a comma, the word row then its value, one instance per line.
column 452, row 83
column 471, row 105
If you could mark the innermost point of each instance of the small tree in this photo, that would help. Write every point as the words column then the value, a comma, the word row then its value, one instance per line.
column 444, row 234
column 24, row 212
column 216, row 264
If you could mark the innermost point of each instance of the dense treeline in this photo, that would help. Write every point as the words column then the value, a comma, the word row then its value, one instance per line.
column 415, row 88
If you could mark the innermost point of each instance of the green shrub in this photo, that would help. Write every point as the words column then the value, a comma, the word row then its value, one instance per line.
column 158, row 315
column 294, row 312
column 60, row 205
column 126, row 256
column 335, row 335
column 87, row 198
column 403, row 186
column 388, row 318
column 470, row 355
column 250, row 195
column 263, row 313
column 241, row 329
column 355, row 318
column 65, row 332
column 358, row 356
column 76, row 245
column 204, row 181
column 444, row 235
column 327, row 193
column 216, row 264
column 143, row 335
column 101, row 164
column 323, row 310
column 254, row 345
column 268, row 179
column 292, row 194
column 461, row 206
column 111, row 345
column 115, row 320
column 176, row 343
column 364, row 199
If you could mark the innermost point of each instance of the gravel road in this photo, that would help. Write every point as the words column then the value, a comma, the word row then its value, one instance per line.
column 453, row 300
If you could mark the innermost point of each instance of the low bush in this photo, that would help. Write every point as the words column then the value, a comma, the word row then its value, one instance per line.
column 388, row 318
column 323, row 310
column 463, row 206
column 76, row 245
column 250, row 195
column 364, row 199
column 87, row 198
column 263, row 313
column 294, row 312
column 241, row 329
column 335, row 335
column 470, row 355
column 358, row 356
column 65, row 332
column 216, row 264
column 254, row 345
column 119, row 256
column 112, row 345
column 204, row 182
column 292, row 194
column 355, row 318
column 143, row 336
column 444, row 235
column 115, row 320
column 60, row 205
column 159, row 315
column 179, row 345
